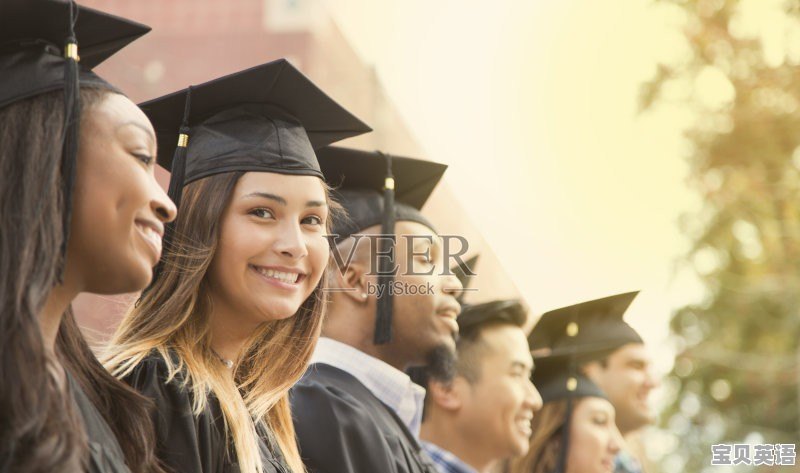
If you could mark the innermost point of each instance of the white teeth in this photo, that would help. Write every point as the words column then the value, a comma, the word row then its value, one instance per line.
column 289, row 278
column 152, row 236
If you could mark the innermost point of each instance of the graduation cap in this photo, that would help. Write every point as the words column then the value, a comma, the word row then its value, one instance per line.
column 39, row 53
column 269, row 118
column 508, row 310
column 558, row 377
column 40, row 38
column 379, row 189
column 465, row 272
column 587, row 328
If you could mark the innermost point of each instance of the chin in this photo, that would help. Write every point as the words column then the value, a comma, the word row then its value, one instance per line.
column 280, row 311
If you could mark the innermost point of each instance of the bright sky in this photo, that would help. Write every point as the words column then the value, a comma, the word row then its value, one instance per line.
column 533, row 104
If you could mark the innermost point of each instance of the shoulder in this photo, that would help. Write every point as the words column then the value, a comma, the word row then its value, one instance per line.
column 330, row 400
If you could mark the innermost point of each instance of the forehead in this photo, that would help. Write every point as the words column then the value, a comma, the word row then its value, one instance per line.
column 631, row 352
column 114, row 109
column 282, row 185
column 415, row 229
column 590, row 404
column 507, row 343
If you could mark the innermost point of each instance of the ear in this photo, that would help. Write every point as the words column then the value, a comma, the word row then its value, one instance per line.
column 354, row 281
column 449, row 397
column 592, row 370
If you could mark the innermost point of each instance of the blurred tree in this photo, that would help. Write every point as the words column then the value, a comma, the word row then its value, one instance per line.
column 737, row 375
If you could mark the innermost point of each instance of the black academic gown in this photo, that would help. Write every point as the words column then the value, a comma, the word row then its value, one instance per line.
column 343, row 428
column 105, row 454
column 187, row 443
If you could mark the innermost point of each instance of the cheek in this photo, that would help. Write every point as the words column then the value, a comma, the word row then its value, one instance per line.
column 318, row 256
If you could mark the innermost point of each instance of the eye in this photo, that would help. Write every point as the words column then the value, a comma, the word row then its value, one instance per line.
column 600, row 420
column 262, row 213
column 311, row 220
column 145, row 158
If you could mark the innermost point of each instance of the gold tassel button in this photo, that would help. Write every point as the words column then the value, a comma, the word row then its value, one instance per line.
column 572, row 329
column 183, row 140
column 572, row 384
column 71, row 51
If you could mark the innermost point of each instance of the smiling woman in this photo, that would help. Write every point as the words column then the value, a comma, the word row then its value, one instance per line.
column 232, row 318
column 76, row 156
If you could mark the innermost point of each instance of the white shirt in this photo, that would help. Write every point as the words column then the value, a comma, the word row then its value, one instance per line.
column 390, row 385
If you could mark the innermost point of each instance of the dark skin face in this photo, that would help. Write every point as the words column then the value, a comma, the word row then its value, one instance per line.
column 119, row 210
column 421, row 321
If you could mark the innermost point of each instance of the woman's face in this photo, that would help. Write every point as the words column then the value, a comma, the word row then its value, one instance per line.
column 594, row 438
column 272, row 249
column 119, row 210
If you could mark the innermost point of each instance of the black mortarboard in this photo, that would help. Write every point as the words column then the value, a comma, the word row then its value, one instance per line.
column 465, row 271
column 39, row 53
column 573, row 335
column 33, row 38
column 589, row 327
column 510, row 311
column 376, row 188
column 269, row 118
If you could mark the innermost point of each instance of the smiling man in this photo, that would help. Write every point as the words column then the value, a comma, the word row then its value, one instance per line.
column 614, row 358
column 480, row 413
column 355, row 410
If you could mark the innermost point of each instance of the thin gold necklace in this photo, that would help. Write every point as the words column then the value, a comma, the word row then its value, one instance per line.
column 228, row 363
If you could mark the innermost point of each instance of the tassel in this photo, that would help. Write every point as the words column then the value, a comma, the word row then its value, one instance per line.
column 383, row 319
column 176, row 179
column 69, row 150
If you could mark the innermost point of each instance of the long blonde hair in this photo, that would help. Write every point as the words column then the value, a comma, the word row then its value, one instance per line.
column 173, row 316
column 545, row 446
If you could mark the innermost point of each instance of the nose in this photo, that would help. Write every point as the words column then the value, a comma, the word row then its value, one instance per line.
column 452, row 285
column 534, row 399
column 289, row 241
column 160, row 203
column 652, row 381
column 615, row 440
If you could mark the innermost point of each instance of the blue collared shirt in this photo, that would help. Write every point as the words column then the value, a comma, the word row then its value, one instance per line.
column 624, row 462
column 393, row 387
column 445, row 461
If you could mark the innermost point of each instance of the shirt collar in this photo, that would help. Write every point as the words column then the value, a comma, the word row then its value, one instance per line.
column 390, row 385
column 446, row 461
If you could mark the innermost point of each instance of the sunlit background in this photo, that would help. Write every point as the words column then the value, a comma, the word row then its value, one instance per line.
column 568, row 178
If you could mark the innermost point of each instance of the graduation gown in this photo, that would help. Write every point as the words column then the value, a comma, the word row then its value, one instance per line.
column 105, row 454
column 343, row 428
column 187, row 443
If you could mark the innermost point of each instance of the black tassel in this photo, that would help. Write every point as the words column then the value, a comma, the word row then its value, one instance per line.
column 176, row 179
column 383, row 319
column 69, row 150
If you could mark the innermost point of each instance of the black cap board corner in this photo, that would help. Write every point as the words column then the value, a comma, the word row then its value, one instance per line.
column 465, row 272
column 594, row 326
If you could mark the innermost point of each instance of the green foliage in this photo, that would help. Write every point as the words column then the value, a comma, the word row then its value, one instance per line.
column 738, row 372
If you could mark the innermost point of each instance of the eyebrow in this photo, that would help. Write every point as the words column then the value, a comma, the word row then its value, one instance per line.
column 138, row 125
column 520, row 364
column 282, row 201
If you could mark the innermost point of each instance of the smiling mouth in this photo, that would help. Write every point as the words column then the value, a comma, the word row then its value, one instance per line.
column 152, row 237
column 524, row 424
column 286, row 277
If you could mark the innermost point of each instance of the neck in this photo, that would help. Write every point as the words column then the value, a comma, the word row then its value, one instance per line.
column 342, row 328
column 58, row 301
column 446, row 434
column 228, row 336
